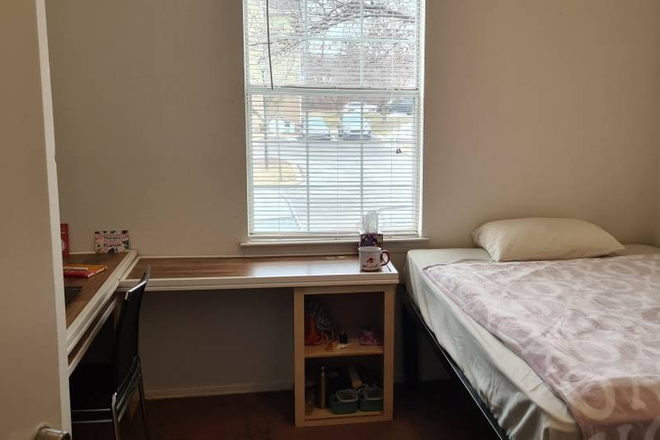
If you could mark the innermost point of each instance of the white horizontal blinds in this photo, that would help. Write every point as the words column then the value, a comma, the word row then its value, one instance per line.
column 337, row 133
column 319, row 177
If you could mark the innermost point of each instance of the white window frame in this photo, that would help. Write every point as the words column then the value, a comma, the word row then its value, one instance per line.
column 316, row 237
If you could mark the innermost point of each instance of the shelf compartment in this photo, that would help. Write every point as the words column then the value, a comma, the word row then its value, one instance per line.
column 354, row 349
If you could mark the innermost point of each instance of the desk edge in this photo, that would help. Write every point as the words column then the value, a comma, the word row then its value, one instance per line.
column 80, row 325
column 272, row 282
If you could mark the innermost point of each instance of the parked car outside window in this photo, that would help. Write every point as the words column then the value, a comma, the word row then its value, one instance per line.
column 354, row 125
column 315, row 127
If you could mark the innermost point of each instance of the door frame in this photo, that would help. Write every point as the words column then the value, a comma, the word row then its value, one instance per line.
column 34, row 379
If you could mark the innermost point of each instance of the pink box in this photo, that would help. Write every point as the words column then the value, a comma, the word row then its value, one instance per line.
column 371, row 239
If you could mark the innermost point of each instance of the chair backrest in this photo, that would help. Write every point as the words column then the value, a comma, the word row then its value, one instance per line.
column 125, row 350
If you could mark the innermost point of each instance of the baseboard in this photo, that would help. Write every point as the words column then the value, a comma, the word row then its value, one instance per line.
column 243, row 388
column 220, row 390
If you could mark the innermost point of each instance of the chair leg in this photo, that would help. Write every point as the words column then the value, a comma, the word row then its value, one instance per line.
column 143, row 406
column 115, row 418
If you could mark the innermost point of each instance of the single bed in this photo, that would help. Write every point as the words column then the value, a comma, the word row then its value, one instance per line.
column 517, row 398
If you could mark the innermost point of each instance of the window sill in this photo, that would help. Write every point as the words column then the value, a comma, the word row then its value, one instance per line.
column 325, row 247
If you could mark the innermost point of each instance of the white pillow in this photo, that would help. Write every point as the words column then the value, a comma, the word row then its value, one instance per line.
column 544, row 239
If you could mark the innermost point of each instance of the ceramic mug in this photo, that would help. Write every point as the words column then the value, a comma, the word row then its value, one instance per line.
column 372, row 258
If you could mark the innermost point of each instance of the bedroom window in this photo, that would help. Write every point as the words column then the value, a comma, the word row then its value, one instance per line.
column 334, row 116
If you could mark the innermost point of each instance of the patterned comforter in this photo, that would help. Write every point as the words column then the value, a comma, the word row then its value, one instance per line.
column 590, row 328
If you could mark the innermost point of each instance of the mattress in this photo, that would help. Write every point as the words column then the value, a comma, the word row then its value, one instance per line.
column 525, row 407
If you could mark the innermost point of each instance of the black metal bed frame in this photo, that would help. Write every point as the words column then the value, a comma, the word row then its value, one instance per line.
column 411, row 316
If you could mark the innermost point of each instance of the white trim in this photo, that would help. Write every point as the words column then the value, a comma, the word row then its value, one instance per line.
column 223, row 390
column 256, row 242
column 341, row 39
column 130, row 268
column 190, row 285
column 258, row 87
column 268, row 282
column 189, row 256
column 325, row 142
column 91, row 310
column 218, row 390
column 294, row 90
column 422, row 114
column 271, row 248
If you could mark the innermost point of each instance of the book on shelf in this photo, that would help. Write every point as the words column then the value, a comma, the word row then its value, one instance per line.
column 83, row 270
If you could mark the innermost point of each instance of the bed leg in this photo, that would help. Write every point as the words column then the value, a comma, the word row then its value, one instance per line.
column 410, row 349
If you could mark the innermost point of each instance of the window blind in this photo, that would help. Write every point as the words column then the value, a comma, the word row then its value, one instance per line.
column 333, row 103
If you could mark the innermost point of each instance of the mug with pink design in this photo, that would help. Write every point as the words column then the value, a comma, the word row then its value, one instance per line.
column 372, row 258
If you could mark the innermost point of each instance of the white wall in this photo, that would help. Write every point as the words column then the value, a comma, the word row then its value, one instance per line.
column 532, row 108
column 33, row 364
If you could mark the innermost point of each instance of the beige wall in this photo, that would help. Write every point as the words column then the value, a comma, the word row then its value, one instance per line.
column 150, row 123
column 33, row 364
column 541, row 108
column 532, row 108
column 657, row 218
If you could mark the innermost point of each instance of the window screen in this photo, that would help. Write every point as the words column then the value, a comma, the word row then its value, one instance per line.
column 333, row 101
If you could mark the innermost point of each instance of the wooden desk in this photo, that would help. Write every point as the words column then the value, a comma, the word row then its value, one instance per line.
column 94, row 303
column 327, row 276
column 216, row 273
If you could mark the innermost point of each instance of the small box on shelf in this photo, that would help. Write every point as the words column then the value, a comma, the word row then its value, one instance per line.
column 371, row 239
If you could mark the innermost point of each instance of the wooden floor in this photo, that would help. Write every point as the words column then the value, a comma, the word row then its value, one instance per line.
column 439, row 410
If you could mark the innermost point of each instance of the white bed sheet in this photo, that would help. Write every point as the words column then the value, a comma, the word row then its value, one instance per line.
column 523, row 404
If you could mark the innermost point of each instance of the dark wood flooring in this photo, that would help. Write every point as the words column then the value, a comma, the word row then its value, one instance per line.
column 438, row 410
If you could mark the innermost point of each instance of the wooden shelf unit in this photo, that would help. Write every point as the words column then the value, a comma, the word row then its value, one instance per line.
column 384, row 354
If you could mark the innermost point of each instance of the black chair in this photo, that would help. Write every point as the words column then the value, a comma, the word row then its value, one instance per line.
column 102, row 392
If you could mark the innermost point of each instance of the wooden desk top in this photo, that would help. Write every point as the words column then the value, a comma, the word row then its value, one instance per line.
column 95, row 291
column 210, row 273
column 89, row 286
